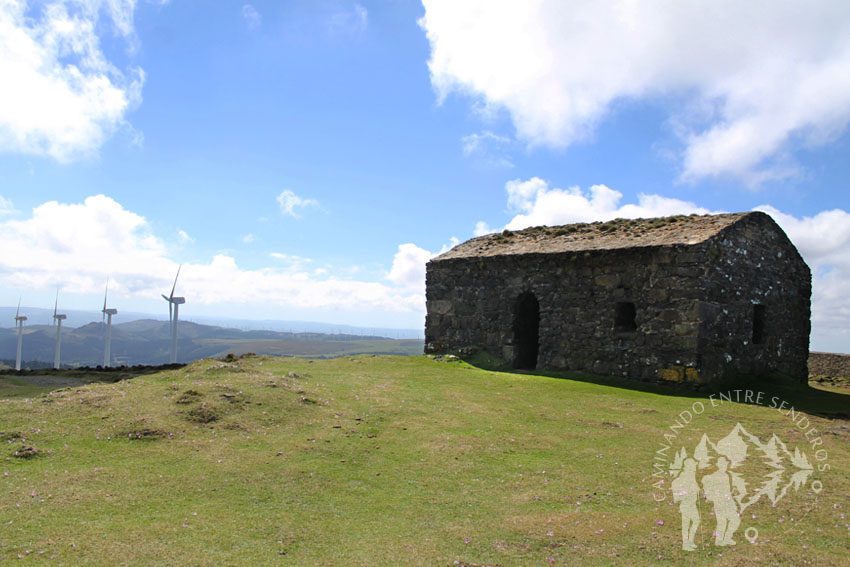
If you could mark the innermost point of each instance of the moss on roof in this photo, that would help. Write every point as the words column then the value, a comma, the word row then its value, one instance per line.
column 608, row 235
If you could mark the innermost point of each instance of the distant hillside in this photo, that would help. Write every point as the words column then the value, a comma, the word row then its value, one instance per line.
column 78, row 318
column 147, row 341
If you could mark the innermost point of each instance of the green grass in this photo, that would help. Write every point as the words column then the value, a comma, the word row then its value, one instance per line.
column 379, row 460
column 317, row 348
column 11, row 387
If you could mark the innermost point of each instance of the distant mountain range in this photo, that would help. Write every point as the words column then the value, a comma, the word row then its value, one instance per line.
column 147, row 341
column 79, row 318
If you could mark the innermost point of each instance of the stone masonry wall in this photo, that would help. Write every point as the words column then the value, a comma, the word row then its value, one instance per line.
column 694, row 306
column 829, row 365
column 472, row 301
column 754, row 263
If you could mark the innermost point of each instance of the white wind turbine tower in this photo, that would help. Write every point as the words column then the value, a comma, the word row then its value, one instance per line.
column 58, row 318
column 107, row 315
column 174, row 304
column 19, row 326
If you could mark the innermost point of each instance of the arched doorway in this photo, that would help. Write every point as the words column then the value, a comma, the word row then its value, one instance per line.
column 526, row 331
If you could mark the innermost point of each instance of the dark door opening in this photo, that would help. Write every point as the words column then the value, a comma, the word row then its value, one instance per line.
column 526, row 331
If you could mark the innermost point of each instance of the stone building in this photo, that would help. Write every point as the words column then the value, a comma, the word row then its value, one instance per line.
column 685, row 298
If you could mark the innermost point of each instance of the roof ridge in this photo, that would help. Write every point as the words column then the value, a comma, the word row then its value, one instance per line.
column 616, row 233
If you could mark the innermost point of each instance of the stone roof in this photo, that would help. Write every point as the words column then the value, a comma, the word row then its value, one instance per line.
column 609, row 235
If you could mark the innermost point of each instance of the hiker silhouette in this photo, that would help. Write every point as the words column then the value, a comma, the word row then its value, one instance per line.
column 718, row 490
column 686, row 493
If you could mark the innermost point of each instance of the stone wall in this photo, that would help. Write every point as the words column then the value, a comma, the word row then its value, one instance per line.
column 693, row 306
column 753, row 263
column 473, row 302
column 829, row 365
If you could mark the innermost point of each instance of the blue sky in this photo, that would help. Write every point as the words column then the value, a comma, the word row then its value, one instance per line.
column 304, row 159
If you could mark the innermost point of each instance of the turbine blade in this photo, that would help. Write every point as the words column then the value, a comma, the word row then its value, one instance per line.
column 56, row 305
column 175, row 280
column 18, row 312
column 170, row 307
column 105, row 294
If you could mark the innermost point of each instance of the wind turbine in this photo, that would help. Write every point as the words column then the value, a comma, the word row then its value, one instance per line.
column 174, row 304
column 19, row 326
column 58, row 318
column 107, row 315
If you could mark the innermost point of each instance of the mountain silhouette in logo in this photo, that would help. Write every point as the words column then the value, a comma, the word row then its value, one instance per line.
column 756, row 468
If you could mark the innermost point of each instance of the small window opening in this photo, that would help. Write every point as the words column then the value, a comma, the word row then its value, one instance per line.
column 758, row 324
column 624, row 318
column 526, row 331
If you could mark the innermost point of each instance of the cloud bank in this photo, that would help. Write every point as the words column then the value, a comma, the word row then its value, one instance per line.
column 749, row 81
column 62, row 97
column 77, row 245
column 535, row 203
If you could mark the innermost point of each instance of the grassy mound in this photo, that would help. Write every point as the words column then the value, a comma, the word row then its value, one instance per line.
column 380, row 460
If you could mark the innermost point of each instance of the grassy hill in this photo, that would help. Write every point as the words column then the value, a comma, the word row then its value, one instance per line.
column 379, row 460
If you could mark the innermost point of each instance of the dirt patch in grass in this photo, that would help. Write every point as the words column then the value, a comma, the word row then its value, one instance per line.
column 204, row 413
column 188, row 397
column 147, row 434
column 10, row 436
column 25, row 452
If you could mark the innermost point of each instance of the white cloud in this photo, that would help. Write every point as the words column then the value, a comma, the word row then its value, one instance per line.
column 6, row 207
column 536, row 204
column 408, row 269
column 482, row 228
column 184, row 236
column 751, row 80
column 248, row 238
column 487, row 148
column 289, row 202
column 62, row 98
column 453, row 241
column 291, row 260
column 79, row 245
column 251, row 16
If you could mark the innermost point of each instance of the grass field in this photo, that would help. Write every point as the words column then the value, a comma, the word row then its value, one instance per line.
column 316, row 347
column 381, row 460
